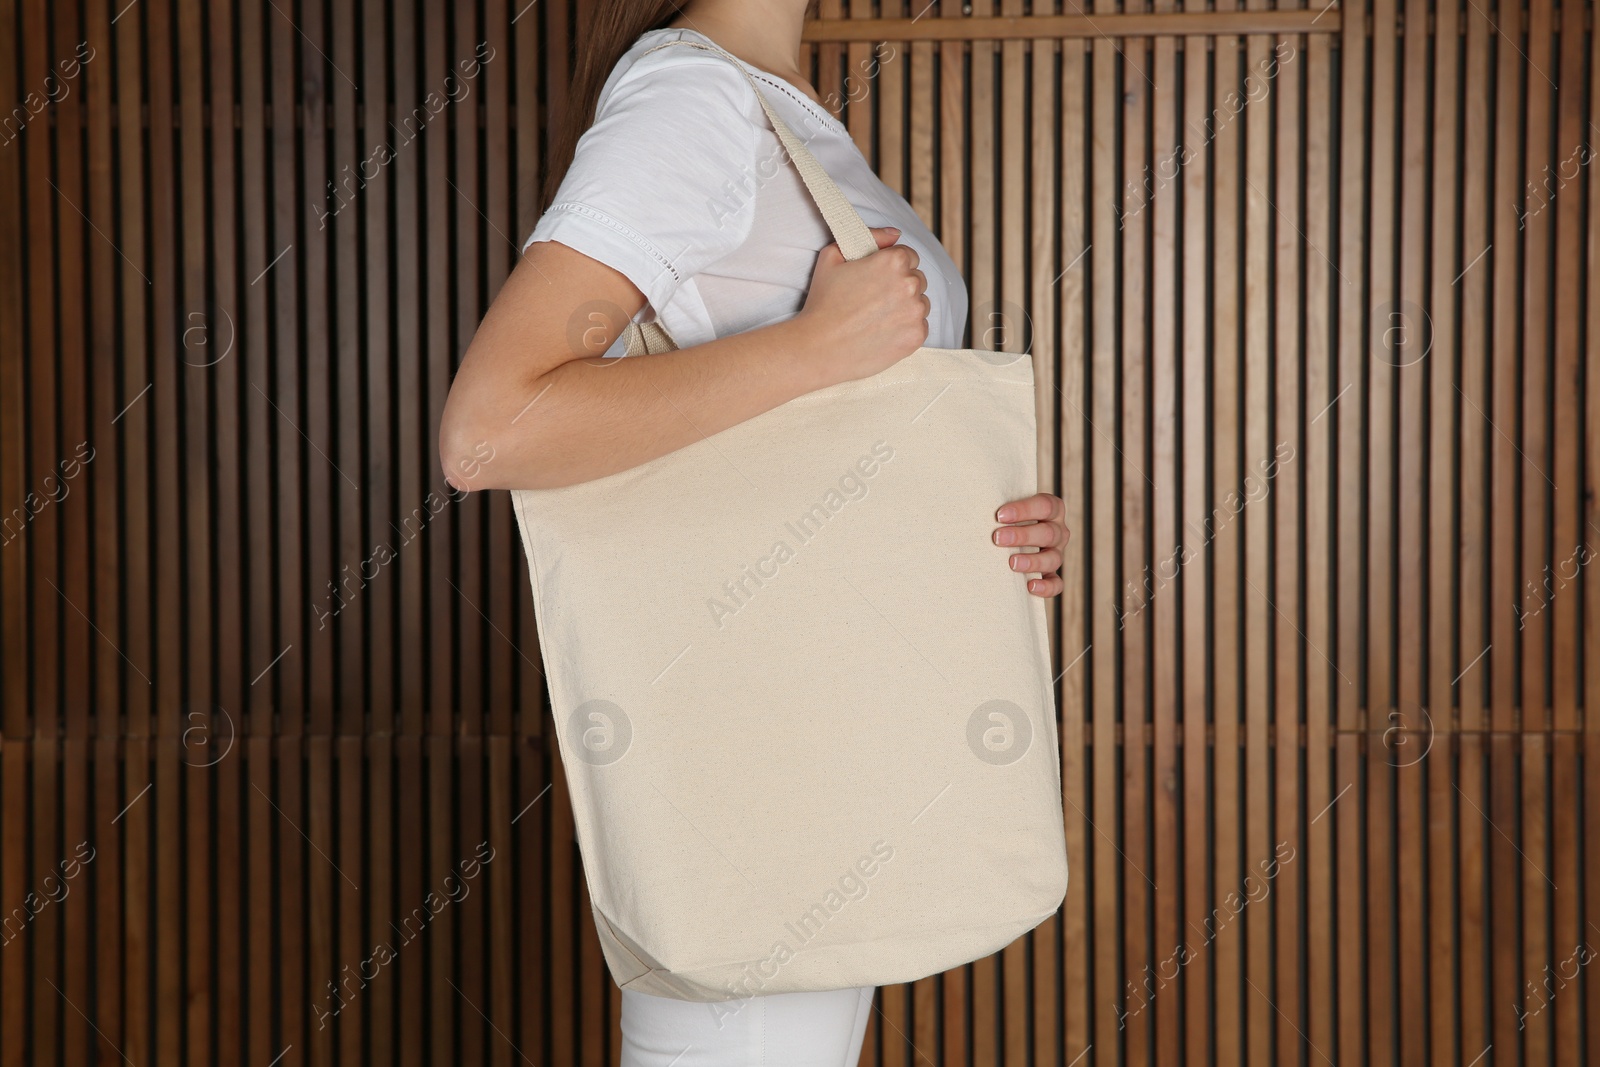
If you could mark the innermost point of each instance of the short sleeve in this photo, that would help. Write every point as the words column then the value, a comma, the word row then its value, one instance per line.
column 663, row 184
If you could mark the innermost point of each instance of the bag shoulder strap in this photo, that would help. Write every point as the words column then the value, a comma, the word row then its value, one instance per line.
column 854, row 237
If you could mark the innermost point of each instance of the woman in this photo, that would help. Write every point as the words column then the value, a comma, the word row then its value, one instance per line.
column 668, row 191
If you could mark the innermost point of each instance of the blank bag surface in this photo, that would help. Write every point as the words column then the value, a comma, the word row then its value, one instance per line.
column 804, row 709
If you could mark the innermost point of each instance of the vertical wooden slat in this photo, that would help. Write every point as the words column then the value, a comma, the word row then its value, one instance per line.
column 102, row 494
column 14, row 983
column 1565, row 203
column 316, row 255
column 1472, row 275
column 830, row 63
column 591, row 978
column 411, row 884
column 353, row 883
column 532, row 821
column 42, row 543
column 952, row 140
column 43, row 935
column 1540, row 956
column 323, row 42
column 74, row 846
column 78, row 639
column 352, row 545
column 1281, row 470
column 1403, row 362
column 1347, row 414
column 471, row 929
column 1499, row 422
column 280, row 268
column 1260, row 608
column 166, row 794
column 133, row 807
column 386, row 460
column 1440, row 721
column 1590, row 739
column 1076, row 625
column 311, row 831
column 102, row 488
column 1227, row 478
column 14, row 718
column 498, row 882
column 1133, row 432
column 216, row 754
column 864, row 121
column 1197, row 530
column 887, row 1044
column 380, row 908
column 885, row 72
column 1322, row 387
column 262, row 649
column 1165, row 551
column 58, row 942
column 1107, row 203
column 1385, row 1013
column 132, row 407
column 1571, row 544
column 300, row 997
column 199, row 442
column 444, row 1003
column 920, row 57
column 262, row 1045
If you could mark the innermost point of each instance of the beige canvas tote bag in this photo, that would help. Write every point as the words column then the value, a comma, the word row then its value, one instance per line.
column 803, row 705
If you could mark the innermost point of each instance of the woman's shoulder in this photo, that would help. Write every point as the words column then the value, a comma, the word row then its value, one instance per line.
column 656, row 68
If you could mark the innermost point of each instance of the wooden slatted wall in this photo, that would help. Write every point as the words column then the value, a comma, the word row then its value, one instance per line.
column 1311, row 293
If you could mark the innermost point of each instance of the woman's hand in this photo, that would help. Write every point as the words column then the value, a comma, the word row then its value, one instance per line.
column 1040, row 516
column 863, row 316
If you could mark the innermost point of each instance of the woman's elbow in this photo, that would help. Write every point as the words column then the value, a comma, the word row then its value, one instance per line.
column 466, row 451
column 476, row 452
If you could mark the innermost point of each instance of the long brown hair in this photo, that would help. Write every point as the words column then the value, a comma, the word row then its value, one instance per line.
column 610, row 29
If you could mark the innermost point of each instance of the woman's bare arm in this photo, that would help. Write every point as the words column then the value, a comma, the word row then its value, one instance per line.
column 532, row 408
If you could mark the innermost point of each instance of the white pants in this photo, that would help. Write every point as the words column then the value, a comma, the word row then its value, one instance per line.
column 821, row 1029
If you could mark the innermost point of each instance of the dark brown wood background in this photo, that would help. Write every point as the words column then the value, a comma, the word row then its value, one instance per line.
column 1311, row 293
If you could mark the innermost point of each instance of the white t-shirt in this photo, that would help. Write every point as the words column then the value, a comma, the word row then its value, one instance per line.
column 681, row 185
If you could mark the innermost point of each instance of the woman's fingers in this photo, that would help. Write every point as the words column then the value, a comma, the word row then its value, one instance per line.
column 1038, row 534
column 1042, row 528
column 1045, row 560
column 1039, row 507
column 1048, row 586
